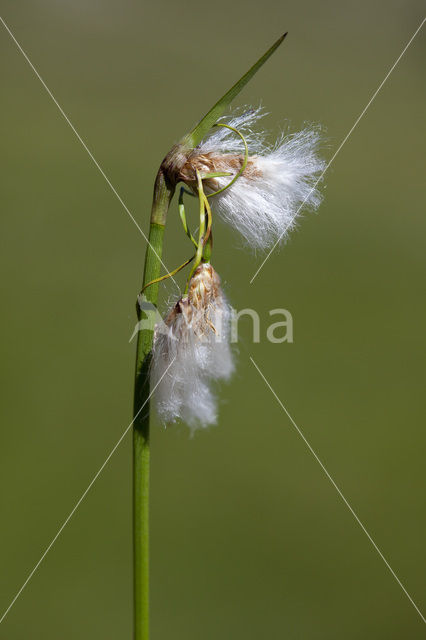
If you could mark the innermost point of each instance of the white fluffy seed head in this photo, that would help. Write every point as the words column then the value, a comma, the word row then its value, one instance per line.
column 191, row 349
column 277, row 183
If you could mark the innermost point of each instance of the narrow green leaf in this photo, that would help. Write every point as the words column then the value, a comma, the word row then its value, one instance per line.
column 197, row 134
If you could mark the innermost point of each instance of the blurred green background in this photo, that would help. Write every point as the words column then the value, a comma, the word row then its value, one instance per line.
column 249, row 538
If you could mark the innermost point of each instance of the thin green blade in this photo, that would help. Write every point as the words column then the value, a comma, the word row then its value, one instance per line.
column 197, row 134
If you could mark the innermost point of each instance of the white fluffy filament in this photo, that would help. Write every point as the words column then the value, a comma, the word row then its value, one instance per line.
column 191, row 349
column 279, row 180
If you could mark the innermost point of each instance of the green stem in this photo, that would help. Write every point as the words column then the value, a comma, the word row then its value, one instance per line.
column 163, row 193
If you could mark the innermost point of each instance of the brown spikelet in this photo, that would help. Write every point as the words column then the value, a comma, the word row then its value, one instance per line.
column 213, row 163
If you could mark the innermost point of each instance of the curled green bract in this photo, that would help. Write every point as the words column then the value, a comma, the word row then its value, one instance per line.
column 243, row 166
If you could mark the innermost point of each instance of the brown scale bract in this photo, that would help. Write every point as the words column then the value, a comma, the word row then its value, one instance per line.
column 213, row 163
column 204, row 293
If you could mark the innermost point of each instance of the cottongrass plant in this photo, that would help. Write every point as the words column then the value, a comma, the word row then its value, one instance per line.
column 258, row 189
column 191, row 350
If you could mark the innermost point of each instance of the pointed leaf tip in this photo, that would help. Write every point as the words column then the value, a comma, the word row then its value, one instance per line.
column 194, row 138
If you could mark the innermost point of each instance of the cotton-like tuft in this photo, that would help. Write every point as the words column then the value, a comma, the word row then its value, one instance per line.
column 277, row 183
column 191, row 350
